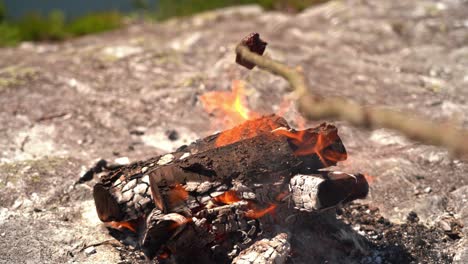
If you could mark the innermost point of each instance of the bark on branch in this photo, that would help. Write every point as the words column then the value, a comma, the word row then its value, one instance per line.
column 314, row 107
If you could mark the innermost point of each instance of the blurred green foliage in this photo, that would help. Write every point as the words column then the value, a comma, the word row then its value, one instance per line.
column 97, row 22
column 55, row 26
column 171, row 8
column 35, row 27
column 2, row 11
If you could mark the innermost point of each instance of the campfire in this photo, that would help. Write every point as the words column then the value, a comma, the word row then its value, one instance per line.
column 231, row 197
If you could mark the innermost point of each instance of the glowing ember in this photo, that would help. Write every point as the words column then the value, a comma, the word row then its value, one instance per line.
column 231, row 197
column 246, row 130
column 132, row 226
column 175, row 225
column 178, row 194
column 281, row 196
column 308, row 143
column 164, row 255
column 228, row 197
column 255, row 213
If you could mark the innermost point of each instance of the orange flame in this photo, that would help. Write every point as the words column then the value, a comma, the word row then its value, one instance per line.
column 231, row 197
column 312, row 143
column 228, row 197
column 231, row 105
column 177, row 194
column 130, row 225
column 256, row 213
column 248, row 129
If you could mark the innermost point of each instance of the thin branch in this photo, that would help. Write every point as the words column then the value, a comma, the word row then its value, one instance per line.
column 314, row 107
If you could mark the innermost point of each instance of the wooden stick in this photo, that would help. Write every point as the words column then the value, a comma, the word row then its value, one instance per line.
column 315, row 107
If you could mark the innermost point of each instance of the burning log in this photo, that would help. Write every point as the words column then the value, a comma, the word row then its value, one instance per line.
column 123, row 194
column 266, row 251
column 248, row 129
column 206, row 199
column 260, row 159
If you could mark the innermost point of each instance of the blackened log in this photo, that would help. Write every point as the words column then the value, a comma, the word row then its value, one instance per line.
column 122, row 193
column 259, row 159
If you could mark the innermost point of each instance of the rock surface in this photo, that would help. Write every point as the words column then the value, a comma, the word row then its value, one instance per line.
column 114, row 95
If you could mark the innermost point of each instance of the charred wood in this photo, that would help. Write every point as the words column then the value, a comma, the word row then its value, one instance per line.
column 122, row 194
column 260, row 159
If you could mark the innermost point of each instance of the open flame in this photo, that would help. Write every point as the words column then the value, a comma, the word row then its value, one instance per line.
column 228, row 197
column 231, row 109
column 310, row 143
column 231, row 197
column 178, row 194
column 258, row 213
column 175, row 225
column 229, row 106
column 130, row 225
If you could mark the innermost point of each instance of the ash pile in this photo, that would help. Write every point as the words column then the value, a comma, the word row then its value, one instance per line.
column 256, row 193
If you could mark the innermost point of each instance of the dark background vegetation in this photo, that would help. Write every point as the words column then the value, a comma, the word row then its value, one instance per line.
column 54, row 20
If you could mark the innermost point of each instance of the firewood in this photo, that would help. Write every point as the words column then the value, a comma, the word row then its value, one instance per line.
column 123, row 193
column 226, row 227
column 310, row 193
column 260, row 159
